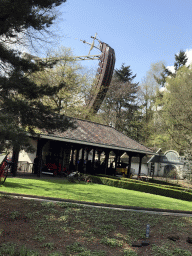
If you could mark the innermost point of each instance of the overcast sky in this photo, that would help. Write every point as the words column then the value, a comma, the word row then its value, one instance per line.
column 140, row 31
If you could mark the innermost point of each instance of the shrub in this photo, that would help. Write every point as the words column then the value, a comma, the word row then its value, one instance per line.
column 157, row 189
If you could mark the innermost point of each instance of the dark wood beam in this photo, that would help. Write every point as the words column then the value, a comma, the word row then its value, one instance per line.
column 129, row 165
column 106, row 160
column 140, row 163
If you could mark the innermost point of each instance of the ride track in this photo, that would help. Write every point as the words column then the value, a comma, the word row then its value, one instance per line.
column 103, row 75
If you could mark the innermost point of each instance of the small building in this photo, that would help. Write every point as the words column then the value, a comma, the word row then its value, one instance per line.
column 168, row 164
column 87, row 148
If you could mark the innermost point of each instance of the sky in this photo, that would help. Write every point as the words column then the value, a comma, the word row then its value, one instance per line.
column 140, row 31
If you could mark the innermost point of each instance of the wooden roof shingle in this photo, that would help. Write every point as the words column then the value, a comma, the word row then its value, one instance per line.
column 94, row 134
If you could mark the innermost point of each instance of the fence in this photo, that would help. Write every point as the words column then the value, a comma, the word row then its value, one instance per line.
column 24, row 166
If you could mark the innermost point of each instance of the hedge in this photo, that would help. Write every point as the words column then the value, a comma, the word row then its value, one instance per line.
column 167, row 191
column 170, row 186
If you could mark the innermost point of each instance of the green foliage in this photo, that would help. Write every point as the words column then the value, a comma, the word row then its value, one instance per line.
column 75, row 247
column 14, row 215
column 180, row 61
column 130, row 253
column 157, row 189
column 72, row 79
column 93, row 193
column 165, row 250
column 151, row 132
column 124, row 74
column 21, row 99
column 108, row 176
column 177, row 110
column 112, row 242
column 162, row 108
column 8, row 248
column 120, row 104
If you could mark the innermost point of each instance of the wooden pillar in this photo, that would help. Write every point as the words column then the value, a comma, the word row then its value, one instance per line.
column 116, row 157
column 93, row 159
column 83, row 154
column 40, row 144
column 67, row 151
column 62, row 163
column 129, row 166
column 76, row 160
column 82, row 161
column 87, row 154
column 106, row 161
column 87, row 158
column 99, row 156
column 140, row 163
column 72, row 155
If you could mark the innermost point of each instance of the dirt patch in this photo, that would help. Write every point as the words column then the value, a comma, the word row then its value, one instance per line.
column 42, row 228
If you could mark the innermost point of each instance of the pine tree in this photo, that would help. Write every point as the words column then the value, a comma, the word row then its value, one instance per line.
column 180, row 61
column 20, row 98
column 120, row 104
column 124, row 74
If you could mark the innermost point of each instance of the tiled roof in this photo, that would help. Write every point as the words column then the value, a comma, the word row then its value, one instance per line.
column 90, row 133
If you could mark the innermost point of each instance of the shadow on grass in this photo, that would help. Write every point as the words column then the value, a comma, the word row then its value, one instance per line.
column 41, row 183
column 60, row 181
column 15, row 185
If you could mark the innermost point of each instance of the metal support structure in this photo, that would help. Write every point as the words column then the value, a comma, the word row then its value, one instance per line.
column 104, row 73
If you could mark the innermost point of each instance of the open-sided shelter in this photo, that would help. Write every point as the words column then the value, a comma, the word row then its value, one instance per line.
column 81, row 148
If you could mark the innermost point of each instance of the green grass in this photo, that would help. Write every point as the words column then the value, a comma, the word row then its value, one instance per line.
column 91, row 193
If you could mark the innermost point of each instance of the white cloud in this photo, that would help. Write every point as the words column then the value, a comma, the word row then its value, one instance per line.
column 171, row 68
column 189, row 56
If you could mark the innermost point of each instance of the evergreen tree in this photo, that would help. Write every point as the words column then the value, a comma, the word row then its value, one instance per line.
column 180, row 61
column 124, row 74
column 120, row 104
column 20, row 98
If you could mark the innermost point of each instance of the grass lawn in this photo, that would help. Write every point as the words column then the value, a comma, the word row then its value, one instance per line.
column 92, row 193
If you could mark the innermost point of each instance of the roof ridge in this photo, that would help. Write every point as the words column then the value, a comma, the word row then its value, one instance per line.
column 112, row 128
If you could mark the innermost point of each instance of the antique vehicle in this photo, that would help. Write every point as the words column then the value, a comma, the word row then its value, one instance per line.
column 121, row 170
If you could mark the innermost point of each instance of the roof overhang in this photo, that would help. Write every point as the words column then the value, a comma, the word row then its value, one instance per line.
column 88, row 143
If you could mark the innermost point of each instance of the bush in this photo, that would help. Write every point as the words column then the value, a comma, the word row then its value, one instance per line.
column 108, row 176
column 157, row 189
column 163, row 182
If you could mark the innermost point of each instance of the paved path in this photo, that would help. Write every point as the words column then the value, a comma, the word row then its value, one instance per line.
column 116, row 207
